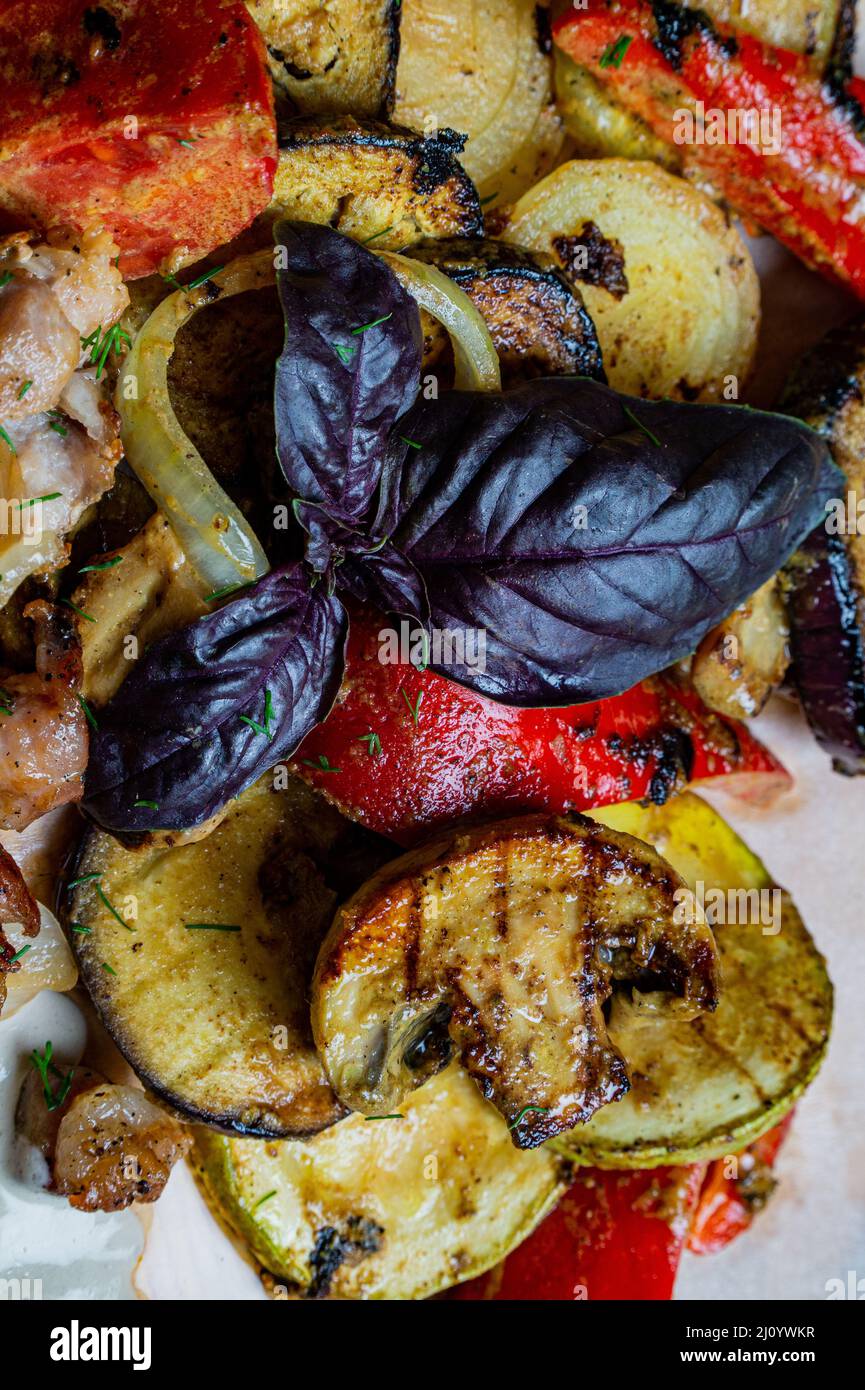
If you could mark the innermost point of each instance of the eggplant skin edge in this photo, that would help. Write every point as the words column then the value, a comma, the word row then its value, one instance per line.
column 823, row 582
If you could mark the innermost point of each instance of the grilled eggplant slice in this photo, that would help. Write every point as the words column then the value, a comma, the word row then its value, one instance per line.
column 216, row 1022
column 332, row 56
column 483, row 67
column 826, row 579
column 502, row 944
column 709, row 1087
column 670, row 286
column 379, row 184
column 538, row 321
column 394, row 1208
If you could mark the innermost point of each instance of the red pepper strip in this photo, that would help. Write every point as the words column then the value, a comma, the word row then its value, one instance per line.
column 404, row 751
column 810, row 192
column 612, row 1236
column 155, row 120
column 727, row 1205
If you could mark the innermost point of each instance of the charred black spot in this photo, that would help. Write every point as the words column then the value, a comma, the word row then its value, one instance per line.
column 101, row 23
column 675, row 761
column 435, row 163
column 334, row 1248
column 594, row 259
column 299, row 74
column 543, row 29
column 675, row 24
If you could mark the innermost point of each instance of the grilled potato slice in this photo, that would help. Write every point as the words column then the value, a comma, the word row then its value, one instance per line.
column 334, row 56
column 703, row 1089
column 483, row 67
column 376, row 183
column 392, row 1208
column 502, row 944
column 670, row 286
column 537, row 320
column 216, row 1022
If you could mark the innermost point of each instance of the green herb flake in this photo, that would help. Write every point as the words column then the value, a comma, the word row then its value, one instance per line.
column 31, row 501
column 5, row 278
column 229, row 589
column 148, row 805
column 375, row 236
column 19, row 954
column 373, row 743
column 102, row 344
column 208, row 926
column 365, row 327
column 85, row 878
column 44, row 1065
column 56, row 426
column 412, row 443
column 396, row 1116
column 4, row 436
column 80, row 928
column 614, row 55
column 88, row 713
column 106, row 902
column 527, row 1109
column 266, row 1198
column 80, row 611
column 106, row 967
column 105, row 565
column 414, row 709
column 322, row 765
column 264, row 728
column 204, row 277
column 343, row 352
column 25, row 387
column 640, row 426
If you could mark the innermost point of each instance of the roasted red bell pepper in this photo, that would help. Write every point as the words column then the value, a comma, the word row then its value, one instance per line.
column 612, row 1236
column 729, row 1200
column 405, row 750
column 153, row 119
column 803, row 178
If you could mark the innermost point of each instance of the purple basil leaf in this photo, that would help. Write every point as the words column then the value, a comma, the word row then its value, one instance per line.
column 176, row 733
column 591, row 555
column 350, row 366
column 373, row 571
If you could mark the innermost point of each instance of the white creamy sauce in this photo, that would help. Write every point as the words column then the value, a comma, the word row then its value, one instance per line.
column 75, row 1254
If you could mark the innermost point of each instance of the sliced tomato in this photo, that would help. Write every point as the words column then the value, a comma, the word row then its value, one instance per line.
column 155, row 120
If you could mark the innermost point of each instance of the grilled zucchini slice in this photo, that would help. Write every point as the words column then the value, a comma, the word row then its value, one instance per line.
column 670, row 286
column 391, row 1208
column 216, row 1022
column 332, row 56
column 502, row 944
column 537, row 320
column 709, row 1087
column 483, row 67
column 379, row 184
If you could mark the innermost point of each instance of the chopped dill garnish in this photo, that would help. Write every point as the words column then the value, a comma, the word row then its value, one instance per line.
column 414, row 709
column 364, row 328
column 80, row 611
column 373, row 743
column 88, row 713
column 614, row 54
column 46, row 1068
column 640, row 426
column 105, row 565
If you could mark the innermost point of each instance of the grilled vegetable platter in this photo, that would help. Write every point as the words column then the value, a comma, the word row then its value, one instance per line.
column 394, row 549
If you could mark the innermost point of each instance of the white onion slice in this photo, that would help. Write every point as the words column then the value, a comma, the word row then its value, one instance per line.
column 218, row 540
column 476, row 361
